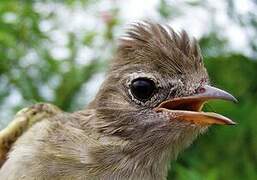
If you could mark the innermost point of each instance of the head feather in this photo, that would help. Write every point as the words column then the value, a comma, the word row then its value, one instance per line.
column 152, row 44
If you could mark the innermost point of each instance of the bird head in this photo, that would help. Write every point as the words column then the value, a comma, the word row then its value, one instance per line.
column 155, row 89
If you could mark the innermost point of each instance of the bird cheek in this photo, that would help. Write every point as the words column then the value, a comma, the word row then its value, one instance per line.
column 165, row 118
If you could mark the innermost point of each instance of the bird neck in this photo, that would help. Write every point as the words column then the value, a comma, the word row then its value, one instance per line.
column 132, row 161
column 141, row 156
column 114, row 158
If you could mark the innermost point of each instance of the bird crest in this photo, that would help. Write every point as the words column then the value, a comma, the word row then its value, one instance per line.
column 151, row 43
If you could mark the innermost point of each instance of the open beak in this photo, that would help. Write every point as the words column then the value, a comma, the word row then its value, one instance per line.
column 189, row 108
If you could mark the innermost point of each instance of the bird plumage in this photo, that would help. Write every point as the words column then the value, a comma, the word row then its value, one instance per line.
column 119, row 136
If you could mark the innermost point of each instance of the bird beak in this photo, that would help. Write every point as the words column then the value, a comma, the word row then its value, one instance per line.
column 189, row 108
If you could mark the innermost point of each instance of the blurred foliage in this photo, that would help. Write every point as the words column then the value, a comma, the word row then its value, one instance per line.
column 29, row 69
column 28, row 65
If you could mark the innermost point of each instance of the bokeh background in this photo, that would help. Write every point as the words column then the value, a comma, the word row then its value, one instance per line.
column 58, row 52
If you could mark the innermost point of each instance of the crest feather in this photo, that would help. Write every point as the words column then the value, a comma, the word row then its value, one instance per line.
column 148, row 42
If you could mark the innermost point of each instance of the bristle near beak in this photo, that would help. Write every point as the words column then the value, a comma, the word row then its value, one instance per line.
column 189, row 108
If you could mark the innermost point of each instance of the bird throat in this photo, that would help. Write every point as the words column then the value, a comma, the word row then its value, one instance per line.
column 144, row 158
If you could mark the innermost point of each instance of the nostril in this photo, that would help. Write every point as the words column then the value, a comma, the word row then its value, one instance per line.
column 201, row 90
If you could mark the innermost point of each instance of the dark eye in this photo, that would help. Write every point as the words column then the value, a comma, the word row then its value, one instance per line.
column 142, row 88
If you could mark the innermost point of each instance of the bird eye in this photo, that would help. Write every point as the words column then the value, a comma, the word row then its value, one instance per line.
column 142, row 88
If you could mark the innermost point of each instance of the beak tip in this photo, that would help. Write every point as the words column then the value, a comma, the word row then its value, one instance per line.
column 234, row 123
column 215, row 93
column 231, row 123
column 235, row 100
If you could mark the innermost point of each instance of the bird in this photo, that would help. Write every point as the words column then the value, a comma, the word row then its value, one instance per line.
column 148, row 109
column 23, row 120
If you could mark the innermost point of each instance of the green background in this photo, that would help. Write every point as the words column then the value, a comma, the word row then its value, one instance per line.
column 31, row 73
